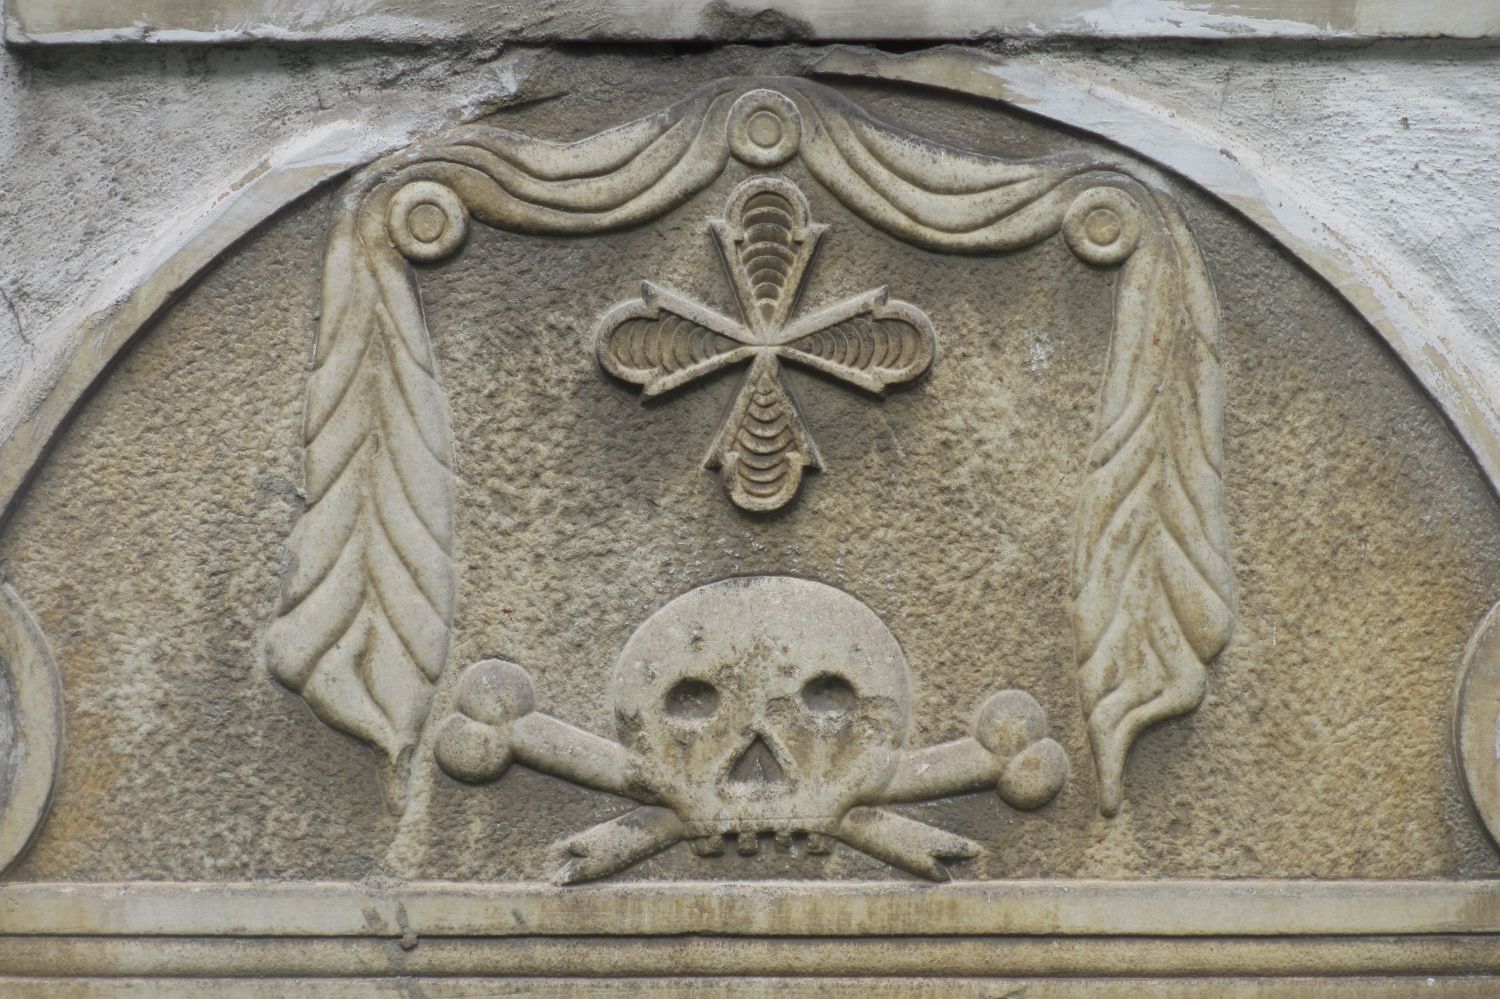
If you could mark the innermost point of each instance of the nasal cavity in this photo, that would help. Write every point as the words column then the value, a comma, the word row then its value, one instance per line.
column 757, row 765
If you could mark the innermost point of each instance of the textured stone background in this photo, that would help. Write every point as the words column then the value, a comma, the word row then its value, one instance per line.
column 149, row 546
column 107, row 151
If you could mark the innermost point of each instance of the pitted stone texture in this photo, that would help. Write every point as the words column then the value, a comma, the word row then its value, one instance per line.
column 149, row 547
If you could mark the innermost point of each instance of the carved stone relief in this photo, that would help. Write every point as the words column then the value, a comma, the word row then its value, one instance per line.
column 759, row 707
column 1477, row 721
column 31, row 726
column 626, row 729
column 766, row 242
column 368, row 602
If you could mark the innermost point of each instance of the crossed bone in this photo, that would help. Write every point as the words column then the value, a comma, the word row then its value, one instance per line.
column 496, row 722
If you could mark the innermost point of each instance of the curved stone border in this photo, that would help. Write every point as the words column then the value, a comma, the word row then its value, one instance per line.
column 1387, row 290
column 31, row 695
column 1476, row 722
column 1409, row 315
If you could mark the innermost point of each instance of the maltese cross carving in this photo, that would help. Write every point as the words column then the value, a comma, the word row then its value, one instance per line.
column 666, row 340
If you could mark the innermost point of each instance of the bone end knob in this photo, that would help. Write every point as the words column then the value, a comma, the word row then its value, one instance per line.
column 474, row 743
column 1013, row 726
column 1034, row 776
column 496, row 692
column 1009, row 721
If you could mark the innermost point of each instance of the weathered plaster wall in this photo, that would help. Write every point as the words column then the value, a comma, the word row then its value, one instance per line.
column 1398, row 140
column 71, row 21
column 110, row 154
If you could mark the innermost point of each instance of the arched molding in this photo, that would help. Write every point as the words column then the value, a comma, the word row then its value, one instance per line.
column 1388, row 289
column 1385, row 289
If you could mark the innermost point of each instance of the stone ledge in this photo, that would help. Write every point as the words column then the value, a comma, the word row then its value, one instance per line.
column 1179, row 908
column 924, row 987
column 420, row 21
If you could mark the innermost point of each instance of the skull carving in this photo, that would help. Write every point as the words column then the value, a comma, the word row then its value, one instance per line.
column 758, row 706
column 763, row 705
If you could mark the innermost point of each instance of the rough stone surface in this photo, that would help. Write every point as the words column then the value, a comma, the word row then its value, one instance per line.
column 149, row 547
column 470, row 676
column 1348, row 120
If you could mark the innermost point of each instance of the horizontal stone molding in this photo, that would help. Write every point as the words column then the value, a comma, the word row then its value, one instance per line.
column 727, row 956
column 1385, row 936
column 95, row 21
column 1065, row 908
column 705, row 987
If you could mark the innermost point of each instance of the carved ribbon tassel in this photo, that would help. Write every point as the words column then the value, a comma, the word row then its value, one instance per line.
column 764, row 446
column 367, row 600
column 1153, row 588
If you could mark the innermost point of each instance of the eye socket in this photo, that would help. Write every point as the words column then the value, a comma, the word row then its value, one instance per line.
column 829, row 694
column 693, row 700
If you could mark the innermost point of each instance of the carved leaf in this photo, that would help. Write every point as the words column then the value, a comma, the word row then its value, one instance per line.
column 367, row 599
column 659, row 350
column 873, row 349
column 1152, row 583
column 768, row 242
column 764, row 445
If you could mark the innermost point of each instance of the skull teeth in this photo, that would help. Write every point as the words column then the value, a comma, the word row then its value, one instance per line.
column 748, row 841
column 708, row 846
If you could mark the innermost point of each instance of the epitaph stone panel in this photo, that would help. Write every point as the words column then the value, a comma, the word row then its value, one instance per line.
column 812, row 509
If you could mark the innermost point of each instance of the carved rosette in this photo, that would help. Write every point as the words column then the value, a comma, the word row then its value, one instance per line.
column 1476, row 722
column 363, row 632
column 31, row 726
